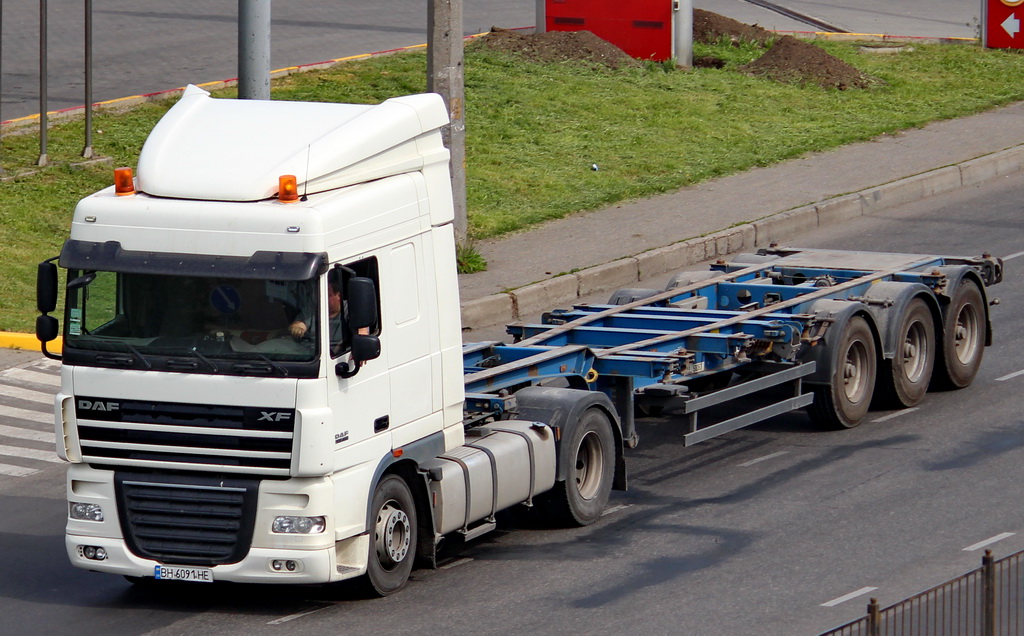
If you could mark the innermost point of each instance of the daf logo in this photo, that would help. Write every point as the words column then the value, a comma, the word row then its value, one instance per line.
column 89, row 405
column 270, row 416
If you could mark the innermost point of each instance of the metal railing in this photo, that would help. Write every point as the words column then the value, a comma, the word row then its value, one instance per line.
column 984, row 602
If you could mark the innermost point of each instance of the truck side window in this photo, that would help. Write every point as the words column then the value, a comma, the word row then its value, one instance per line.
column 337, row 305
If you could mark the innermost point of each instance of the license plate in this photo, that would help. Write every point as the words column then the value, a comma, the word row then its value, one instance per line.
column 177, row 573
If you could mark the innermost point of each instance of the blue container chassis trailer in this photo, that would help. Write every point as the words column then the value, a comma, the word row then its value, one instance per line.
column 844, row 330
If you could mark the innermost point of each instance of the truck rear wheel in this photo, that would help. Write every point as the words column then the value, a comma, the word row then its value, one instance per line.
column 582, row 497
column 392, row 537
column 846, row 399
column 963, row 339
column 903, row 381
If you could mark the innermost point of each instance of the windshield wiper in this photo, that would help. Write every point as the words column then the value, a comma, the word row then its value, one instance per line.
column 245, row 366
column 213, row 367
column 121, row 361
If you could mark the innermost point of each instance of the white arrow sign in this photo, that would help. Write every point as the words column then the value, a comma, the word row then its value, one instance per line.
column 1011, row 25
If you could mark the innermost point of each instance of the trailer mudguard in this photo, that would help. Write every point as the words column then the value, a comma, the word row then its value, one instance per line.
column 887, row 302
column 561, row 408
column 839, row 312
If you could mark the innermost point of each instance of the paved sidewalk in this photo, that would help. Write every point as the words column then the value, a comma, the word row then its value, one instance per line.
column 616, row 247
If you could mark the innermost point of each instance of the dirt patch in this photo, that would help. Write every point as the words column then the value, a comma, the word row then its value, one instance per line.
column 790, row 60
column 787, row 59
column 558, row 46
column 710, row 28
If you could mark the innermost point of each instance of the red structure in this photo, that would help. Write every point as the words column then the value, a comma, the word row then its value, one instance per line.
column 641, row 28
column 1003, row 24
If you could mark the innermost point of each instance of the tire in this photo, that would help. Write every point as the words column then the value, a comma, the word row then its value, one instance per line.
column 392, row 537
column 903, row 381
column 963, row 339
column 846, row 399
column 589, row 472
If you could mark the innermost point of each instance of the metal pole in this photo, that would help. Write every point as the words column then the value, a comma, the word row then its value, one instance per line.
column 542, row 17
column 43, row 159
column 254, row 49
column 87, row 150
column 683, row 32
column 1, row 84
column 874, row 618
column 988, row 586
column 445, row 76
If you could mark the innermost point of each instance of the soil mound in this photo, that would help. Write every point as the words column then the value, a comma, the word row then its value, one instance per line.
column 790, row 60
column 709, row 28
column 558, row 46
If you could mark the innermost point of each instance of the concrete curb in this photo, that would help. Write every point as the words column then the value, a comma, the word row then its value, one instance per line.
column 529, row 300
column 25, row 342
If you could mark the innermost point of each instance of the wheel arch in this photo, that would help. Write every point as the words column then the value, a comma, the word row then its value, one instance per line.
column 406, row 465
column 891, row 300
column 841, row 312
column 561, row 408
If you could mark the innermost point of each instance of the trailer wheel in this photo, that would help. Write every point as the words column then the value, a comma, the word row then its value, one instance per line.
column 963, row 339
column 903, row 381
column 392, row 537
column 582, row 497
column 846, row 399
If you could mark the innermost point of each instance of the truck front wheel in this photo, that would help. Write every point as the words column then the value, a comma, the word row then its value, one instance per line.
column 392, row 537
column 589, row 472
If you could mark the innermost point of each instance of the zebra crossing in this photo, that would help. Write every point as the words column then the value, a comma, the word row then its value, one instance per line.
column 26, row 417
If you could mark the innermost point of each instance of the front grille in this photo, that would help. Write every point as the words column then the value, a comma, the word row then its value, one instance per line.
column 252, row 440
column 187, row 520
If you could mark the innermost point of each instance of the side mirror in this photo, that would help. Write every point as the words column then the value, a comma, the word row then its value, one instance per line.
column 46, row 287
column 363, row 348
column 362, row 304
column 47, row 328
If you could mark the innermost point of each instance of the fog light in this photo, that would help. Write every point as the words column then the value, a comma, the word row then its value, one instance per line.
column 85, row 511
column 299, row 525
column 93, row 553
column 286, row 565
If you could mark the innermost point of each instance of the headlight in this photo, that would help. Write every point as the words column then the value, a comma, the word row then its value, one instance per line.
column 299, row 525
column 85, row 511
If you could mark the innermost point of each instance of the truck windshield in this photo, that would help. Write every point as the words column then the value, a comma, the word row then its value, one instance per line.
column 213, row 323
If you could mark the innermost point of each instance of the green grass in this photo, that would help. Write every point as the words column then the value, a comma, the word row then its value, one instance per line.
column 534, row 131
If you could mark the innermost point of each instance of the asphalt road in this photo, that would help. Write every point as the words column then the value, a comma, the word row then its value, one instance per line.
column 763, row 531
column 146, row 46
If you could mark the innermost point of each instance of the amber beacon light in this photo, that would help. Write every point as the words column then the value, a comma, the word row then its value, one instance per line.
column 288, row 189
column 124, row 182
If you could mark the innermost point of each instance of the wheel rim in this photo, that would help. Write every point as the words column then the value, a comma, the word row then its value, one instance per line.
column 855, row 381
column 915, row 352
column 392, row 535
column 966, row 334
column 589, row 465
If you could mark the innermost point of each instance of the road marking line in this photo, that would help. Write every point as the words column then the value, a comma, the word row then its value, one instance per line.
column 16, row 471
column 25, row 414
column 892, row 416
column 1010, row 376
column 1012, row 256
column 31, row 453
column 609, row 511
column 291, row 617
column 28, row 395
column 849, row 597
column 988, row 542
column 32, row 376
column 21, row 433
column 455, row 564
column 763, row 459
